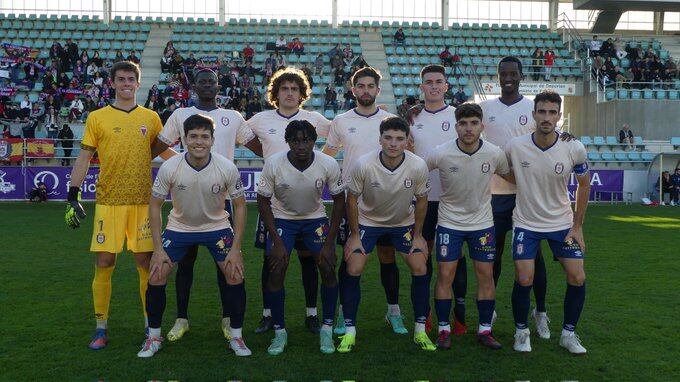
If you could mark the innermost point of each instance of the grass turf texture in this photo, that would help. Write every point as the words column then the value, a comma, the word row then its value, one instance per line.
column 627, row 325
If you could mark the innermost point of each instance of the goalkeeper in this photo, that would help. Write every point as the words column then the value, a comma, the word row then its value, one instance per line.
column 121, row 133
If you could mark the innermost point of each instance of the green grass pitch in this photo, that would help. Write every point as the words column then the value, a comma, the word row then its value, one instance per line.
column 629, row 324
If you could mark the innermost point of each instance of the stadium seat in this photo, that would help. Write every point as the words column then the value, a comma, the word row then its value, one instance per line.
column 675, row 141
column 621, row 156
column 634, row 156
column 612, row 141
column 586, row 140
column 599, row 141
column 647, row 156
column 607, row 156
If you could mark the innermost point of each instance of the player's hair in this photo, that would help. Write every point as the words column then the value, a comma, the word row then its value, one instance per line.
column 204, row 70
column 548, row 96
column 288, row 74
column 307, row 129
column 199, row 121
column 510, row 59
column 434, row 68
column 394, row 123
column 366, row 72
column 468, row 110
column 127, row 66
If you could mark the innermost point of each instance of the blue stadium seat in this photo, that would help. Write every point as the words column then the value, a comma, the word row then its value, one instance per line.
column 647, row 156
column 608, row 156
column 675, row 141
column 599, row 141
column 586, row 140
column 621, row 157
column 592, row 156
column 612, row 141
column 634, row 156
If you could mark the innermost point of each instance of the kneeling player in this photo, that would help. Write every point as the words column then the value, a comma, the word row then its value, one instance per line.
column 542, row 164
column 198, row 182
column 379, row 204
column 289, row 201
column 466, row 165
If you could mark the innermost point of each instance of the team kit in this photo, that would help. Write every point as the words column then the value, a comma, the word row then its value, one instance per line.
column 418, row 188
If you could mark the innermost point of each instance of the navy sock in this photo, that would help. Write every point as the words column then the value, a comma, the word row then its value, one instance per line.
column 420, row 297
column 222, row 285
column 310, row 280
column 540, row 281
column 459, row 287
column 574, row 298
column 264, row 276
column 235, row 300
column 352, row 292
column 329, row 297
column 443, row 309
column 520, row 304
column 277, row 300
column 183, row 280
column 389, row 276
column 342, row 276
column 486, row 308
column 155, row 305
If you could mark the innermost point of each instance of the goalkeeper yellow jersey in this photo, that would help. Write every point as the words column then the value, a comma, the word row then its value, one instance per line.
column 123, row 142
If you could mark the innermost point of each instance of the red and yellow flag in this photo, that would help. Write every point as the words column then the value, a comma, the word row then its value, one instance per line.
column 11, row 149
column 40, row 148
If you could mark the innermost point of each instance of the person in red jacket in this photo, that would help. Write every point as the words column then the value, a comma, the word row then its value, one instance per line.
column 248, row 53
column 549, row 58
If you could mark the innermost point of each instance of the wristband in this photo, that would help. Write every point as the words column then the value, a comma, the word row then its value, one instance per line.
column 73, row 194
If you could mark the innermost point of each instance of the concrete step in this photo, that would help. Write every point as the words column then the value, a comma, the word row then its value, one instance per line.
column 150, row 63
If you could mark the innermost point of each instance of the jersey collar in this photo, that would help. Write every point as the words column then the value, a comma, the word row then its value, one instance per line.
column 436, row 111
column 377, row 110
column 125, row 111
column 481, row 142
column 547, row 148
column 287, row 117
column 198, row 169
column 403, row 158
column 521, row 97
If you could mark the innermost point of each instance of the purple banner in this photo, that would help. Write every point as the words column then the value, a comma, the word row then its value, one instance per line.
column 603, row 183
column 12, row 183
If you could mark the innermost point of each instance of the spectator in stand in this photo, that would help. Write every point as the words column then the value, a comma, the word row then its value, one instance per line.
column 334, row 51
column 537, row 67
column 16, row 126
column 132, row 56
column 399, row 37
column 402, row 109
column 280, row 44
column 97, row 80
column 318, row 65
column 671, row 69
column 80, row 71
column 52, row 101
column 339, row 76
column 621, row 52
column 249, row 70
column 85, row 57
column 66, row 140
column 190, row 63
column 99, row 63
column 280, row 61
column 549, row 58
column 675, row 184
column 446, row 57
column 177, row 63
column 595, row 46
column 244, row 82
column 350, row 100
column 56, row 51
column 253, row 107
column 72, row 52
column 119, row 56
column 650, row 53
column 626, row 137
column 359, row 63
column 167, row 112
column 459, row 97
column 91, row 71
column 63, row 81
column 308, row 73
column 296, row 46
column 267, row 74
column 248, row 53
column 348, row 54
column 25, row 106
column 330, row 99
column 607, row 49
column 75, row 110
column 152, row 103
column 620, row 78
column 169, row 49
column 90, row 106
column 52, row 122
column 666, row 187
column 337, row 62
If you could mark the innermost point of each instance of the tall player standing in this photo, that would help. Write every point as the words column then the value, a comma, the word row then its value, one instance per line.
column 542, row 165
column 230, row 129
column 288, row 90
column 356, row 131
column 121, row 134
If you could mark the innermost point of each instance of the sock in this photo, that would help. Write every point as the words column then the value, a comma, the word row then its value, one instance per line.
column 352, row 297
column 264, row 276
column 236, row 333
column 266, row 312
column 235, row 298
column 428, row 273
column 154, row 332
column 574, row 298
column 520, row 304
column 540, row 281
column 351, row 330
column 143, row 282
column 183, row 281
column 389, row 277
column 310, row 280
column 393, row 309
column 419, row 327
column 342, row 275
column 329, row 297
column 443, row 309
column 311, row 311
column 222, row 286
column 101, row 291
column 277, row 299
column 103, row 324
column 485, row 308
column 420, row 297
column 155, row 304
column 226, row 321
column 460, row 290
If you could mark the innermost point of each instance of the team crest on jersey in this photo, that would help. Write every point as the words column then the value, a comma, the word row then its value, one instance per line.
column 486, row 167
column 523, row 120
column 101, row 238
column 216, row 188
column 143, row 130
column 225, row 121
column 559, row 167
column 261, row 182
column 319, row 183
column 446, row 125
column 408, row 183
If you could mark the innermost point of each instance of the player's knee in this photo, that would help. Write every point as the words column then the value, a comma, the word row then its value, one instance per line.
column 525, row 279
column 234, row 280
column 577, row 278
column 275, row 281
column 158, row 278
column 418, row 269
column 106, row 261
column 446, row 274
column 354, row 269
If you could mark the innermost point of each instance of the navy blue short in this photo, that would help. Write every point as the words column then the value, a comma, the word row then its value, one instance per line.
column 502, row 207
column 343, row 234
column 399, row 237
column 312, row 232
column 261, row 237
column 481, row 244
column 218, row 243
column 525, row 244
column 430, row 225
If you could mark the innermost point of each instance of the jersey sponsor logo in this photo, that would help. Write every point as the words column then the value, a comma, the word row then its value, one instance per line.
column 319, row 183
column 492, row 118
column 225, row 121
column 486, row 167
column 446, row 125
column 375, row 184
column 352, row 130
column 559, row 167
column 453, row 169
column 271, row 131
column 525, row 164
column 523, row 119
column 216, row 188
column 143, row 130
column 101, row 238
column 117, row 129
column 408, row 183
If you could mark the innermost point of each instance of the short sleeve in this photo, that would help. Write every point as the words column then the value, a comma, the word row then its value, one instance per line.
column 161, row 185
column 233, row 182
column 243, row 132
column 90, row 136
column 356, row 179
column 253, row 123
column 156, row 125
column 265, row 185
column 422, row 180
column 580, row 157
column 170, row 133
column 508, row 154
column 334, row 180
column 322, row 125
column 335, row 139
column 432, row 159
column 502, row 166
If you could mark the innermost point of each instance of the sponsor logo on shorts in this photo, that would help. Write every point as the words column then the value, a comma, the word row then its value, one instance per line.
column 483, row 240
column 224, row 242
column 101, row 238
column 408, row 236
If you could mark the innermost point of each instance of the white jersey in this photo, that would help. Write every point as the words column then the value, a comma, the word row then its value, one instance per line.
column 270, row 128
column 230, row 129
column 542, row 175
column 298, row 193
column 430, row 129
column 386, row 196
column 465, row 202
column 358, row 134
column 198, row 194
column 502, row 123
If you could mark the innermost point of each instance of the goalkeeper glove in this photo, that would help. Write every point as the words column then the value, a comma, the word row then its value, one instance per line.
column 74, row 210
